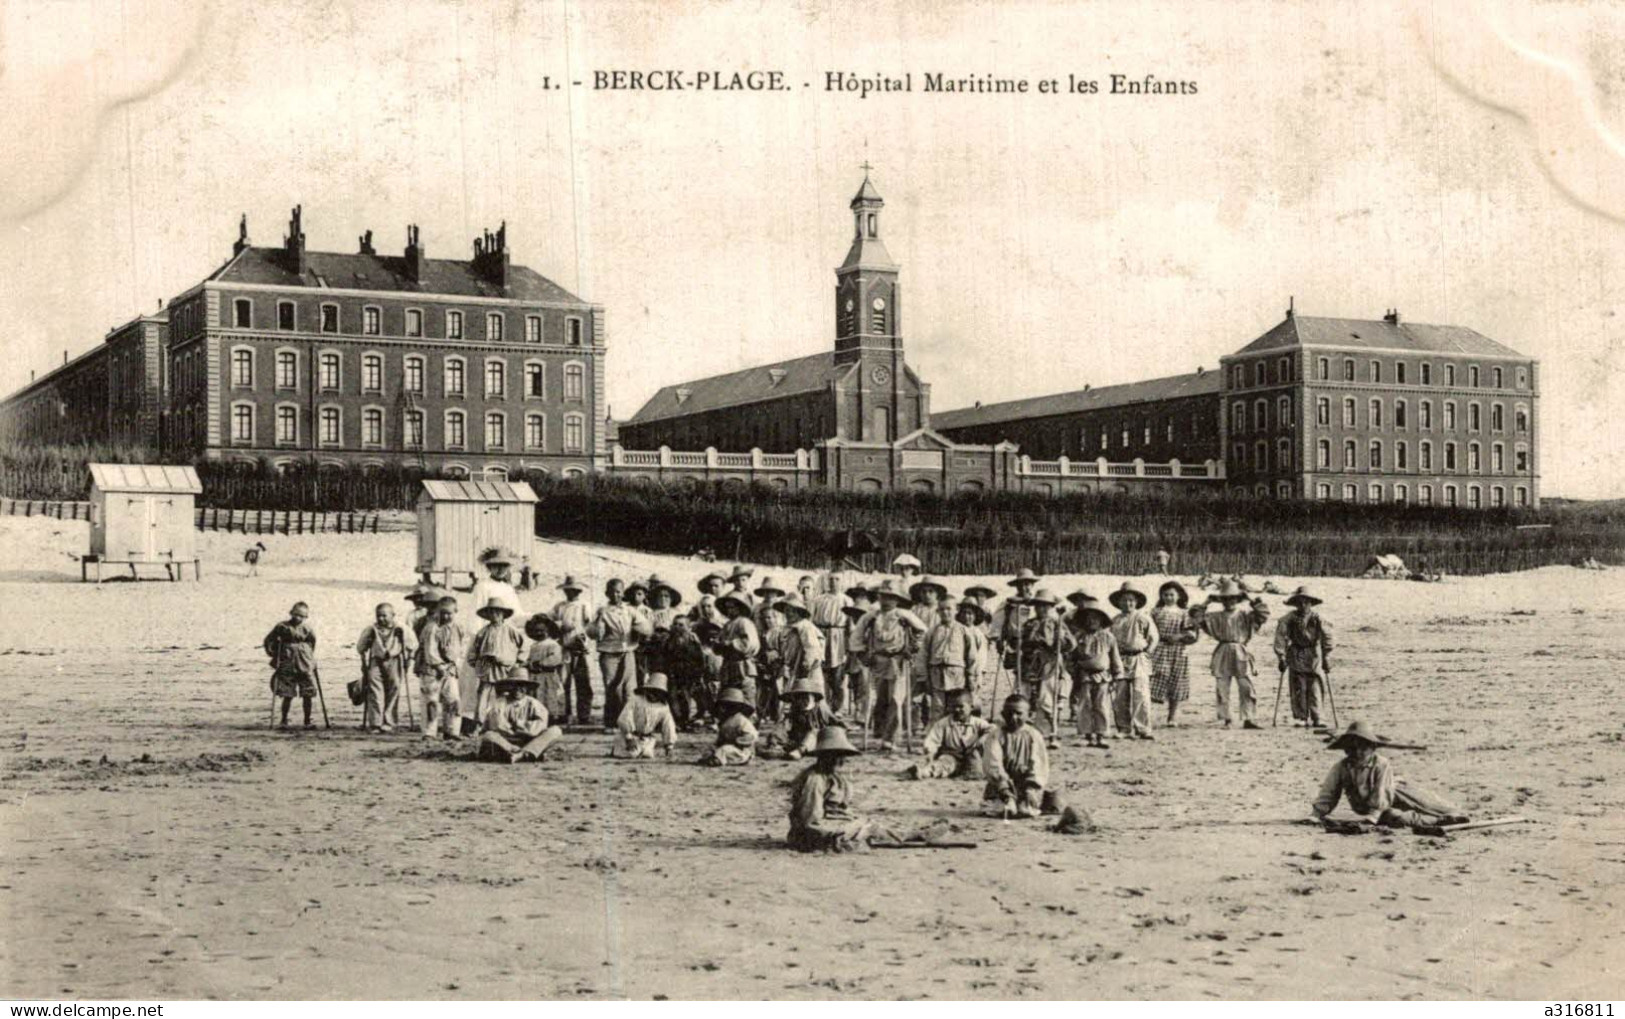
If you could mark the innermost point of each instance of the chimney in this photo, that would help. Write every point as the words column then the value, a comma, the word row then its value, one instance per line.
column 1290, row 302
column 366, row 243
column 491, row 255
column 1392, row 318
column 293, row 245
column 1200, row 371
column 416, row 260
column 64, row 357
column 242, row 236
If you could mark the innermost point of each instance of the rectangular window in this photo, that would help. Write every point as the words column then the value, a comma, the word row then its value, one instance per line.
column 496, row 380
column 1323, row 411
column 1375, row 411
column 535, row 380
column 1323, row 455
column 1348, row 412
column 454, row 377
column 1399, row 372
column 1474, row 463
column 330, row 426
column 493, row 327
column 1348, row 455
column 1105, row 442
column 242, row 369
column 1498, row 421
column 1348, row 370
column 1145, row 435
column 454, row 325
column 575, row 386
column 1283, row 413
column 1498, row 459
column 533, row 329
column 1402, row 458
column 1522, row 496
column 372, row 426
column 1472, row 377
column 242, row 424
column 496, row 436
column 1350, row 493
column 1449, row 381
column 1401, row 494
column 330, row 318
column 454, row 430
column 1450, row 456
column 413, row 382
column 1323, row 369
column 1520, row 461
column 1373, row 493
column 1523, row 383
column 1498, row 377
column 287, row 370
column 1450, row 415
column 414, row 322
column 1424, row 495
column 1498, row 497
column 1238, row 417
column 372, row 321
column 372, row 373
column 535, row 431
column 1258, row 373
column 1376, row 371
column 1427, row 380
column 330, row 371
column 287, row 425
column 1125, row 437
column 1399, row 414
column 1168, row 433
column 284, row 315
column 575, row 332
column 1475, row 497
column 1425, row 418
column 414, row 429
column 1376, row 456
column 1426, row 458
column 1450, row 495
column 1323, row 492
column 574, row 440
column 243, row 313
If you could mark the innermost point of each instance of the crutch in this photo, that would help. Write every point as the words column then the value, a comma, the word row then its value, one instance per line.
column 868, row 706
column 1275, row 714
column 406, row 687
column 1331, row 700
column 317, row 671
column 273, row 708
column 905, row 691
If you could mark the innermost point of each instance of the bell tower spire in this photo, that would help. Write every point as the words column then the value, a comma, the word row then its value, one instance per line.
column 866, row 287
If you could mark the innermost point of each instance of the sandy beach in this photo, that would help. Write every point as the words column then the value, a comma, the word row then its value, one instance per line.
column 158, row 840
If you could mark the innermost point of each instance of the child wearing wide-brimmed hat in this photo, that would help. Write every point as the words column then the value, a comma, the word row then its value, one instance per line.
column 1046, row 641
column 736, row 733
column 808, row 716
column 619, row 630
column 1012, row 617
column 1136, row 639
column 889, row 636
column 646, row 720
column 495, row 653
column 1303, row 649
column 1374, row 792
column 516, row 727
column 738, row 643
column 1096, row 666
column 498, row 562
column 1232, row 628
column 1170, row 666
column 821, row 818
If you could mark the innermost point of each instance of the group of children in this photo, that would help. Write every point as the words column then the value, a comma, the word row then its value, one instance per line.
column 811, row 664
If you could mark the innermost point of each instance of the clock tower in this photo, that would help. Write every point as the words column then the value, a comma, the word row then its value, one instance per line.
column 881, row 400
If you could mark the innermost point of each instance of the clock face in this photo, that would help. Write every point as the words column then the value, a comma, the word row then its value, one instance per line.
column 881, row 375
column 880, row 304
column 849, row 304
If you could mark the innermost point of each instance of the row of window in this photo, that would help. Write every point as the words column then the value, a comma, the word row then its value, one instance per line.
column 372, row 322
column 1401, row 495
column 454, row 374
column 1375, row 416
column 330, row 428
column 1374, row 373
column 1375, row 459
column 1126, row 432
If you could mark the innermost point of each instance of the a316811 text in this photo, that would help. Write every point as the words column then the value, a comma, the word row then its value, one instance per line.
column 1581, row 1009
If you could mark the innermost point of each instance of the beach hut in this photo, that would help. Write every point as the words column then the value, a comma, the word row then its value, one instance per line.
column 457, row 520
column 142, row 514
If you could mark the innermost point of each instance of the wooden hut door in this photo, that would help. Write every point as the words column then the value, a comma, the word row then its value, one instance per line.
column 139, row 512
column 161, row 532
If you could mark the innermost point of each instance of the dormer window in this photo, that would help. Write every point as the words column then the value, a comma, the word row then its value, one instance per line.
column 776, row 376
column 684, row 394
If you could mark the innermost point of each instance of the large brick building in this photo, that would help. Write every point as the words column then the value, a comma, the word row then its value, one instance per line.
column 286, row 355
column 1315, row 408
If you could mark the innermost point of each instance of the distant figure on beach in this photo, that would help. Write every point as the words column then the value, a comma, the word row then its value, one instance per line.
column 252, row 557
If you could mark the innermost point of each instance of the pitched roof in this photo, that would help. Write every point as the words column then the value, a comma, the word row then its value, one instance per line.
column 479, row 491
column 156, row 478
column 763, row 382
column 1170, row 388
column 387, row 272
column 1366, row 334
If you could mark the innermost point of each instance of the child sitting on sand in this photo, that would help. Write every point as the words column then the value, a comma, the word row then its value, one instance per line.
column 645, row 720
column 953, row 743
column 1367, row 779
column 292, row 648
column 516, row 728
column 736, row 733
column 1016, row 762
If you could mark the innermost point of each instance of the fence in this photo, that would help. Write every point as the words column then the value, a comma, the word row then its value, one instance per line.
column 61, row 510
column 298, row 522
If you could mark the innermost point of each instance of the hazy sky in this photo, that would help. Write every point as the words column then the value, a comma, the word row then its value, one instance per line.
column 1358, row 157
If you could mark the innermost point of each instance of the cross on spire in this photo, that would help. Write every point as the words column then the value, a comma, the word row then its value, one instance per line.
column 865, row 166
